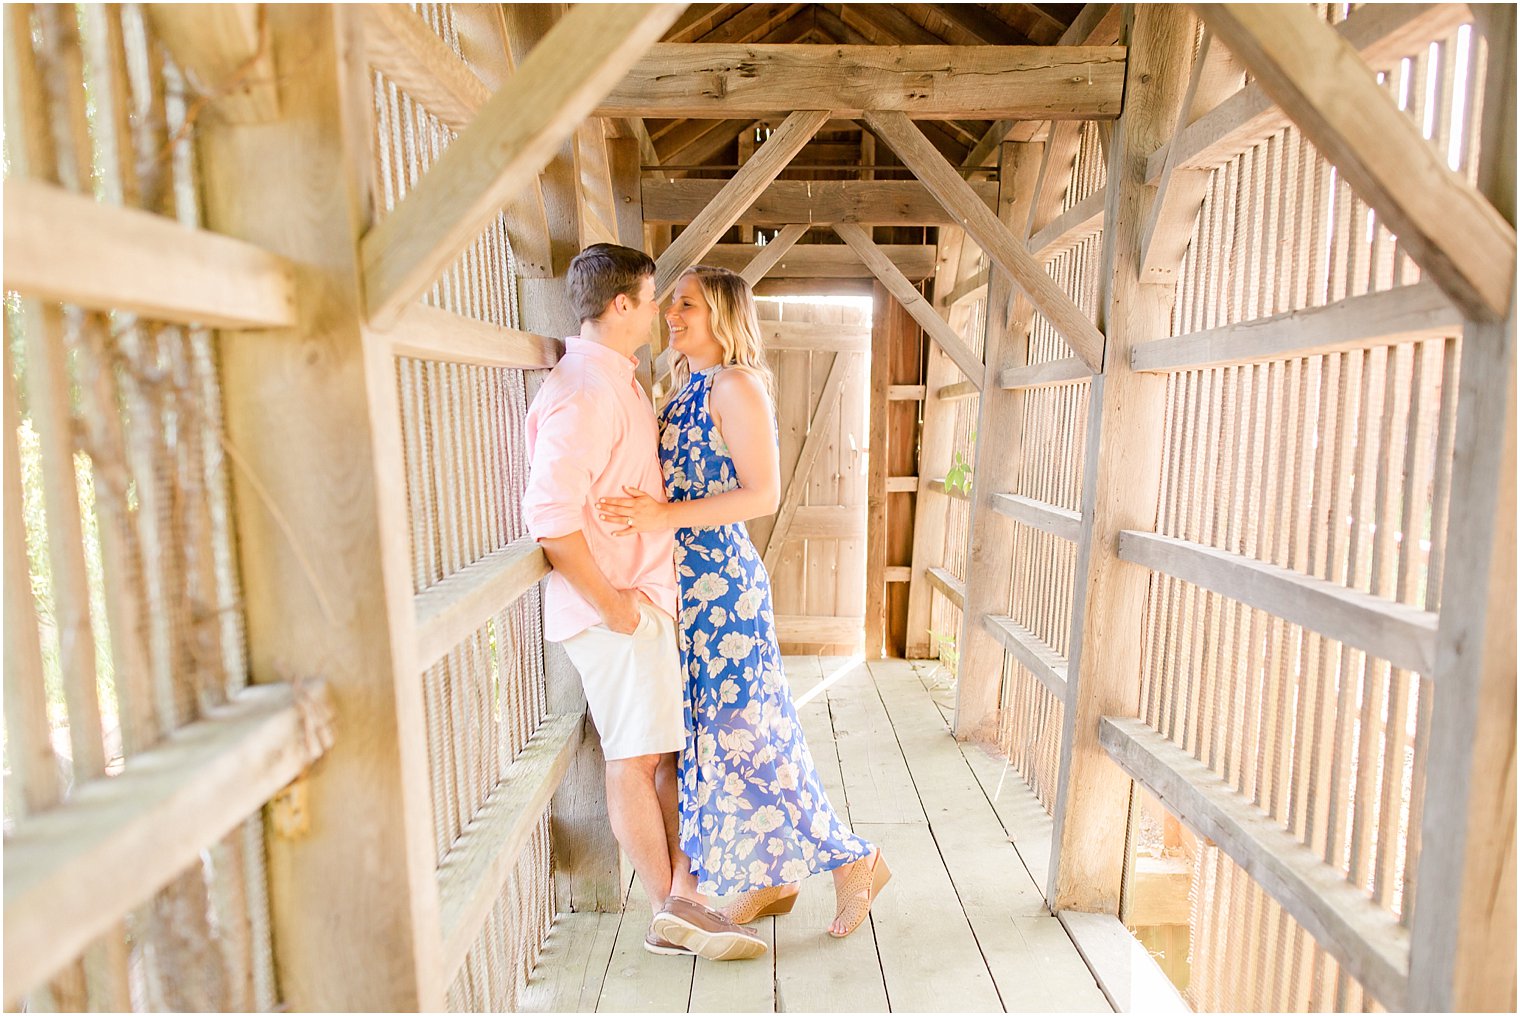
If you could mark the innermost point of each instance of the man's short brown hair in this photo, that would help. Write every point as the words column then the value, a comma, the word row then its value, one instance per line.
column 602, row 271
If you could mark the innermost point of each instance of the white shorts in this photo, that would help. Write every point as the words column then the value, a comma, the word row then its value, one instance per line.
column 633, row 685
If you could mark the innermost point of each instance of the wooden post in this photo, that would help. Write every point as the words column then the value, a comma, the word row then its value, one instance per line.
column 1120, row 489
column 935, row 443
column 998, row 460
column 885, row 326
column 1462, row 954
column 322, row 534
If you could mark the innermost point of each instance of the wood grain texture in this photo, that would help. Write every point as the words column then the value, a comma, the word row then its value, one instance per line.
column 821, row 261
column 766, row 257
column 449, row 610
column 74, row 871
column 430, row 333
column 1450, row 229
column 71, row 248
column 1045, row 517
column 227, row 44
column 929, row 82
column 991, row 235
column 816, row 202
column 737, row 194
column 510, row 140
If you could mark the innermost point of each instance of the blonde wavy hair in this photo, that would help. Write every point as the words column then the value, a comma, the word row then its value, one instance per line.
column 731, row 313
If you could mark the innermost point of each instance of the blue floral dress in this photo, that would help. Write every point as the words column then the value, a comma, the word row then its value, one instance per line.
column 753, row 811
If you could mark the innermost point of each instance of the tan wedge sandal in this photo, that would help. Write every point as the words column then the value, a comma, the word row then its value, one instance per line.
column 772, row 901
column 864, row 884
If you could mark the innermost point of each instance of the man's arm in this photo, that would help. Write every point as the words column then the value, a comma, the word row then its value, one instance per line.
column 571, row 557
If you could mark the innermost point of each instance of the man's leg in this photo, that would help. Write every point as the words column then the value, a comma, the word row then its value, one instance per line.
column 682, row 881
column 635, row 810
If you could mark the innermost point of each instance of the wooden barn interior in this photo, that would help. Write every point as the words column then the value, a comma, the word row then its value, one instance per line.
column 1145, row 568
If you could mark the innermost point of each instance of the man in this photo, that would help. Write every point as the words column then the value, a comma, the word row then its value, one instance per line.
column 611, row 601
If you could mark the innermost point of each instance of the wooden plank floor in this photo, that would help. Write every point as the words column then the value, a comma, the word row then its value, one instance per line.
column 961, row 927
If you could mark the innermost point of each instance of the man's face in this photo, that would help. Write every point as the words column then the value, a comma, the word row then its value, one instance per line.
column 641, row 316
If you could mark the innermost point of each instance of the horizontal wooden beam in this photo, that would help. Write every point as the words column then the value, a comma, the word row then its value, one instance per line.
column 476, row 869
column 1047, row 665
column 825, row 629
column 73, row 872
column 399, row 44
column 71, row 248
column 824, row 260
column 926, row 82
column 1071, row 227
column 815, row 287
column 1403, row 635
column 828, row 522
column 969, row 288
column 1405, row 314
column 505, row 146
column 958, row 391
column 990, row 234
column 897, row 573
column 817, row 202
column 952, row 588
column 1364, row 938
column 429, row 333
column 902, row 484
column 787, row 336
column 1451, row 230
column 449, row 610
column 1381, row 33
column 906, row 393
column 1039, row 375
column 912, row 300
column 1048, row 518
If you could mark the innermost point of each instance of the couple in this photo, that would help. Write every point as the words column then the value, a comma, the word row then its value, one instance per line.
column 642, row 524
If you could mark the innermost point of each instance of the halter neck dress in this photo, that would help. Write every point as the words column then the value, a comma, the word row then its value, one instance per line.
column 753, row 810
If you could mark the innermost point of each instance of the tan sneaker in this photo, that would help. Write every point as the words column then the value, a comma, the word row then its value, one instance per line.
column 657, row 945
column 706, row 932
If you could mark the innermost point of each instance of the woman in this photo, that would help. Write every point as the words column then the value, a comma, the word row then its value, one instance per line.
column 754, row 816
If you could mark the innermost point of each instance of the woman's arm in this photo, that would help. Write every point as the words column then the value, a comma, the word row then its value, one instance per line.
column 742, row 414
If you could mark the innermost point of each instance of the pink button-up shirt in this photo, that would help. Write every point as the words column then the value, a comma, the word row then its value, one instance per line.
column 591, row 430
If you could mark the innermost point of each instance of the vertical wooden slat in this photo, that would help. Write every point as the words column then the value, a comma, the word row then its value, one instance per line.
column 1122, row 460
column 885, row 330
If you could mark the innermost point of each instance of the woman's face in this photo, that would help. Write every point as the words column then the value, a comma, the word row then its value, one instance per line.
column 690, row 321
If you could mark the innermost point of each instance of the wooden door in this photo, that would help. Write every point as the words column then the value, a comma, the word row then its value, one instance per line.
column 815, row 543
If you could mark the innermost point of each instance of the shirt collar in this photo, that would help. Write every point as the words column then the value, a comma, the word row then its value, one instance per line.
column 597, row 353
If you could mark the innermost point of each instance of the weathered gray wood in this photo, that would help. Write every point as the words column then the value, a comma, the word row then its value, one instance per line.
column 1121, row 463
column 313, row 413
column 818, row 629
column 993, row 236
column 430, row 333
column 451, row 609
column 812, row 446
column 572, row 965
column 1464, row 908
column 640, row 981
column 905, row 293
column 474, row 873
column 1402, row 634
column 820, row 261
column 1038, row 375
column 930, row 82
column 766, row 257
column 68, row 247
column 1129, row 977
column 742, row 986
column 73, row 871
column 828, row 522
column 1072, row 226
column 816, row 202
column 510, row 140
column 1032, row 653
column 1363, row 937
column 804, row 335
column 958, row 391
column 1450, row 229
column 1062, row 522
column 1405, row 314
column 737, row 194
column 950, row 587
column 1381, row 33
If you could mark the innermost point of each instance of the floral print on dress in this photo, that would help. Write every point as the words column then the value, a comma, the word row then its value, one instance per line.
column 753, row 810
